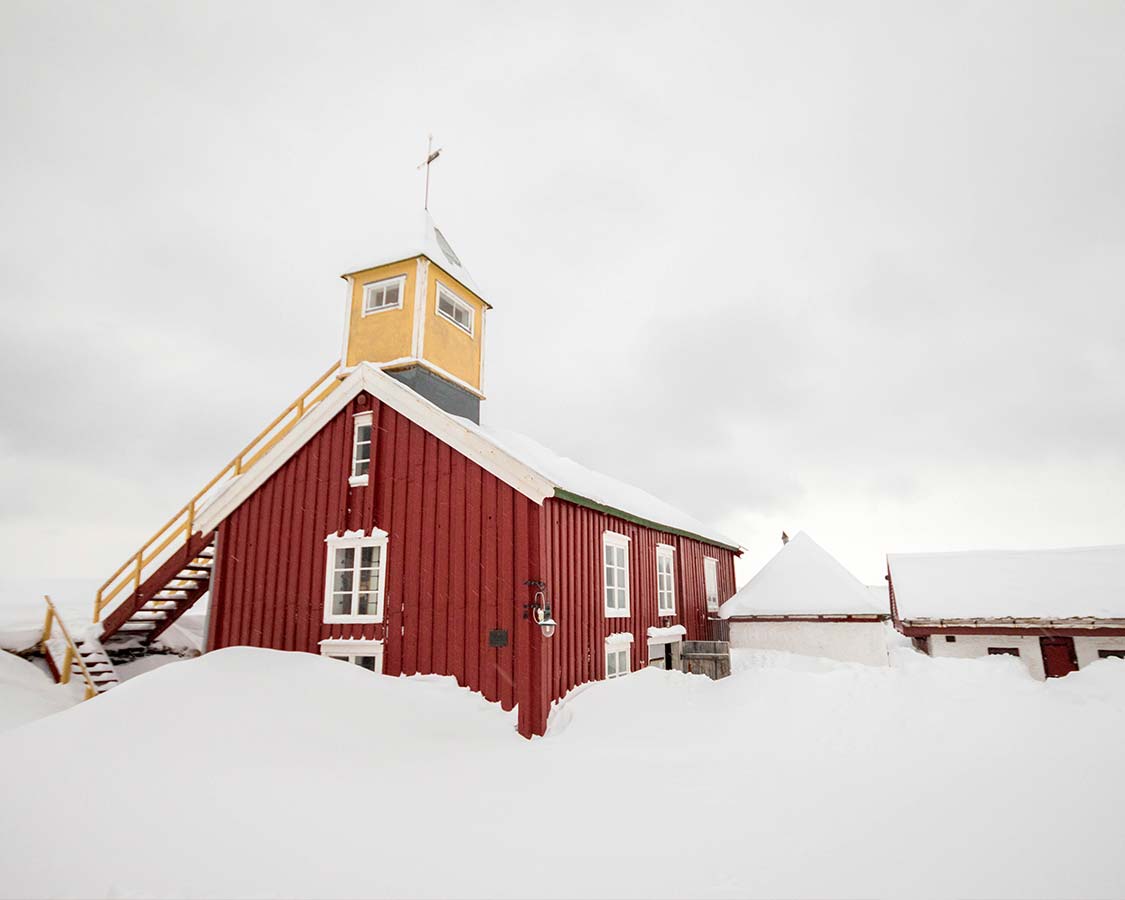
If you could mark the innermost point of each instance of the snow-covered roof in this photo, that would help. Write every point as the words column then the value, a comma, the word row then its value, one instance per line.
column 519, row 462
column 1079, row 582
column 570, row 477
column 803, row 579
column 427, row 241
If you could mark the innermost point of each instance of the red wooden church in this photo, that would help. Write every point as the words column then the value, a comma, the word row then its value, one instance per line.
column 376, row 521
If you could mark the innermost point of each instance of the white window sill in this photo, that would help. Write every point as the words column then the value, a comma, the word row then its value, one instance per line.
column 353, row 620
column 666, row 614
column 376, row 311
column 358, row 481
column 617, row 613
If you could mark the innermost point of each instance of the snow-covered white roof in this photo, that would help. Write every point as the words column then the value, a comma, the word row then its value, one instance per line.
column 1079, row 582
column 574, row 478
column 803, row 579
column 427, row 241
column 519, row 462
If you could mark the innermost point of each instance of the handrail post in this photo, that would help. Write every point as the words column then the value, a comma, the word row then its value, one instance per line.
column 46, row 628
column 98, row 606
column 190, row 517
column 68, row 662
column 137, row 571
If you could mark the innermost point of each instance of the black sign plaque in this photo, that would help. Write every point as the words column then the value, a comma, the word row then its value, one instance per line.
column 498, row 637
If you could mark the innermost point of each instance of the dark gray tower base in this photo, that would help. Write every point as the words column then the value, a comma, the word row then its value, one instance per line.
column 450, row 397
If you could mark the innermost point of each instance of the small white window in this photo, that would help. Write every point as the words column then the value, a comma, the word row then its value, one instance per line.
column 453, row 308
column 353, row 590
column 711, row 582
column 381, row 295
column 617, row 661
column 365, row 654
column 665, row 580
column 361, row 449
column 615, row 555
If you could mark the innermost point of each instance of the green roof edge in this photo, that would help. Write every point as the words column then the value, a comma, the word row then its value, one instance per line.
column 579, row 500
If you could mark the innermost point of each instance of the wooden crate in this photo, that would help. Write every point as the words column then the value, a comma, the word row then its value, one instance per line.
column 710, row 658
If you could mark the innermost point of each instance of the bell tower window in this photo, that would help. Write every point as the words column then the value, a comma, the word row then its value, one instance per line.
column 381, row 295
column 453, row 308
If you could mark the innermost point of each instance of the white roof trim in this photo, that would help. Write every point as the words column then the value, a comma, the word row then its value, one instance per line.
column 402, row 400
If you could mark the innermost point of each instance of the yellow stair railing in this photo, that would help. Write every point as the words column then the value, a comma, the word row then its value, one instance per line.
column 131, row 572
column 71, row 653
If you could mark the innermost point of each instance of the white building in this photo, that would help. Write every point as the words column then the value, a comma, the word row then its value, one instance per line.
column 1058, row 610
column 803, row 601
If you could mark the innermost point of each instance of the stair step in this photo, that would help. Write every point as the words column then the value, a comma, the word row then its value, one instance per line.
column 183, row 577
column 149, row 615
column 170, row 595
column 207, row 552
column 196, row 567
column 137, row 626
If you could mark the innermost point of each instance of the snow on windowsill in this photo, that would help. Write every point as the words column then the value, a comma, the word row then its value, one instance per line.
column 624, row 637
column 665, row 635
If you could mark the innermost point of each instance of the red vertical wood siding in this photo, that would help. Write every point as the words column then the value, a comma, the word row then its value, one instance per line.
column 573, row 536
column 455, row 567
column 462, row 546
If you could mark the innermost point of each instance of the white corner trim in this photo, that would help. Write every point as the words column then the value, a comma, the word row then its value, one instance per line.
column 350, row 284
column 418, row 336
column 624, row 637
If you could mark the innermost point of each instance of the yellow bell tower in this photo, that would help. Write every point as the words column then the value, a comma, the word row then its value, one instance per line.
column 419, row 316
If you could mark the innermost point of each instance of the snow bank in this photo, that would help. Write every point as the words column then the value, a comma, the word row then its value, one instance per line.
column 1048, row 584
column 309, row 777
column 28, row 693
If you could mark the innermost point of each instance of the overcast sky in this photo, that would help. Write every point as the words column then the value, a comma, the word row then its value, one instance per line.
column 854, row 269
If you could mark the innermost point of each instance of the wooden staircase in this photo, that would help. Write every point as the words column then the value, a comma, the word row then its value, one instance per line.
column 163, row 597
column 168, row 574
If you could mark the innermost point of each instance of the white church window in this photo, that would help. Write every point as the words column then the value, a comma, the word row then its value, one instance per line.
column 665, row 580
column 615, row 556
column 353, row 590
column 453, row 308
column 365, row 654
column 361, row 449
column 711, row 582
column 385, row 294
column 617, row 659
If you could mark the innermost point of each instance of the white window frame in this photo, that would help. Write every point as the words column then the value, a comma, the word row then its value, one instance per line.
column 666, row 552
column 616, row 540
column 456, row 301
column 372, row 286
column 711, row 566
column 350, row 649
column 358, row 421
column 333, row 542
column 618, row 648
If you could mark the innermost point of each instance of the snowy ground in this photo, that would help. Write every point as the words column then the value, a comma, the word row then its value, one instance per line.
column 300, row 776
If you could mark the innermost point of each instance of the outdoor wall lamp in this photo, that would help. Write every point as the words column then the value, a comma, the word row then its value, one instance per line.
column 539, row 610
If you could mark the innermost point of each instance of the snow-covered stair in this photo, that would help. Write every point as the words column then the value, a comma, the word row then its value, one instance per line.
column 97, row 663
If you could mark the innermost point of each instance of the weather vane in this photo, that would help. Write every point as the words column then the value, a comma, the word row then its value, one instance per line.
column 431, row 155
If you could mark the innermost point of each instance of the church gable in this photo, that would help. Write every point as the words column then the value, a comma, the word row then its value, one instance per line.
column 458, row 547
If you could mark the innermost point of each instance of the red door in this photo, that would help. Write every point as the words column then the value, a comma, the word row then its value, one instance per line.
column 1058, row 656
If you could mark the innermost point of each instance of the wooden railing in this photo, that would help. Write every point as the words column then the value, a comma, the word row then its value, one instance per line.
column 180, row 526
column 70, row 655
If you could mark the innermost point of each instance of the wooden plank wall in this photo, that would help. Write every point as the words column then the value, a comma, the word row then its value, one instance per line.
column 462, row 544
column 574, row 574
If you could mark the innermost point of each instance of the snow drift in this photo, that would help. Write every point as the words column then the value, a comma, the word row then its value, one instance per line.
column 299, row 776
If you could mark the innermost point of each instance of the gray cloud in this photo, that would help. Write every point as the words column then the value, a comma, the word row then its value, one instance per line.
column 854, row 269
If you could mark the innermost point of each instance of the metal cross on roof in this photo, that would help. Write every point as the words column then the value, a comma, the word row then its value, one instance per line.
column 431, row 155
